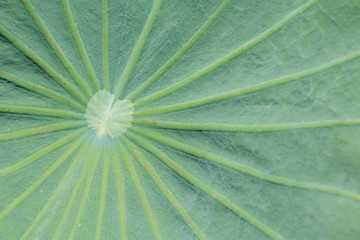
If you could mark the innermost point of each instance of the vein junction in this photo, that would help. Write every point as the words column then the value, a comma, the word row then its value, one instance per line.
column 108, row 116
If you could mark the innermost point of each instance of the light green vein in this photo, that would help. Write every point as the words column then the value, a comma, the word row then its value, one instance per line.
column 253, row 88
column 104, row 185
column 42, row 64
column 105, row 38
column 85, row 169
column 95, row 154
column 80, row 45
column 42, row 91
column 244, row 128
column 242, row 168
column 204, row 187
column 226, row 58
column 80, row 156
column 40, row 111
column 167, row 192
column 54, row 195
column 141, row 192
column 42, row 152
column 182, row 50
column 40, row 180
column 137, row 49
column 41, row 130
column 120, row 187
column 65, row 61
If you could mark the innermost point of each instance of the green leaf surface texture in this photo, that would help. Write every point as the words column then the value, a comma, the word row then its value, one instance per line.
column 223, row 120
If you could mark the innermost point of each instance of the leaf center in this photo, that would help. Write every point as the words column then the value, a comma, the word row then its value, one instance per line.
column 108, row 116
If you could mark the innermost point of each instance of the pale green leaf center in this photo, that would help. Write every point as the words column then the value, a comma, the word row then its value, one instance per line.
column 108, row 116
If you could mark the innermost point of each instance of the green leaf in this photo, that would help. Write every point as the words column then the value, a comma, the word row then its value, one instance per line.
column 212, row 120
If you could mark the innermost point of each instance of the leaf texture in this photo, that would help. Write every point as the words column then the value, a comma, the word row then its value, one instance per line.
column 240, row 119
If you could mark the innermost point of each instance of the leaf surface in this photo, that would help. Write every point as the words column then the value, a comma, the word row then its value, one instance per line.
column 245, row 120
